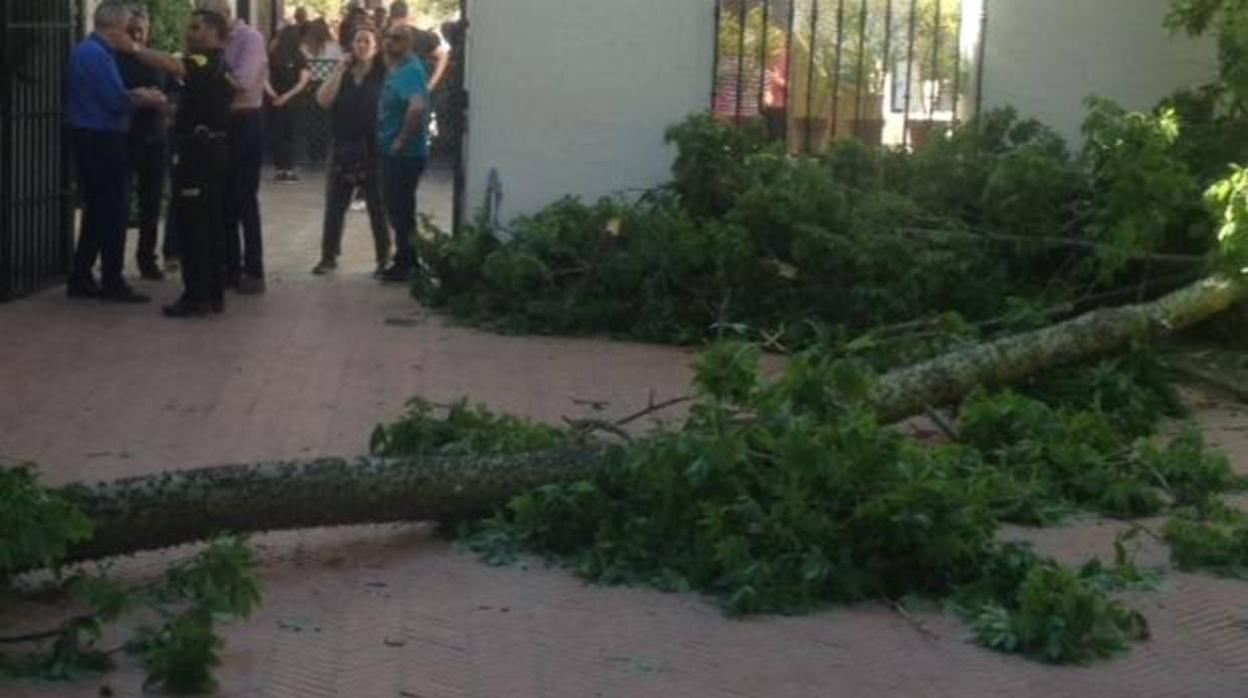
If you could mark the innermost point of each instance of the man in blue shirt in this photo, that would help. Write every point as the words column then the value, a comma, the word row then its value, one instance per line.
column 98, row 109
column 403, row 138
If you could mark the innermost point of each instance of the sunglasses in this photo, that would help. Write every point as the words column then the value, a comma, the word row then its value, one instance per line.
column 396, row 37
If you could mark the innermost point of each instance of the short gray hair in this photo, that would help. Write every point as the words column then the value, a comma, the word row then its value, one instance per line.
column 112, row 14
column 138, row 11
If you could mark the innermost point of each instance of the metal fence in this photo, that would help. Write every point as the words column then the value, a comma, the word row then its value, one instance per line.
column 36, row 226
column 889, row 72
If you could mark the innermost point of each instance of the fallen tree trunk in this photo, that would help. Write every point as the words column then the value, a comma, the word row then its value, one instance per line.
column 172, row 508
column 909, row 391
column 145, row 513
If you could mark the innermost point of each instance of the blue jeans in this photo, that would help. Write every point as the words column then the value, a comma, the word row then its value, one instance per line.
column 242, row 196
column 400, row 179
column 103, row 184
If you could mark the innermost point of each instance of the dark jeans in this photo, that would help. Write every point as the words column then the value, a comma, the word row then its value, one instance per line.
column 103, row 179
column 148, row 161
column 199, row 193
column 282, row 132
column 338, row 195
column 400, row 179
column 242, row 205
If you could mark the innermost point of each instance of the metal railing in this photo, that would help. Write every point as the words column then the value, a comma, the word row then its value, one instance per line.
column 889, row 72
column 36, row 221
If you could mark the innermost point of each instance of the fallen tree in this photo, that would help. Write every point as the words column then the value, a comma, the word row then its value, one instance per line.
column 172, row 508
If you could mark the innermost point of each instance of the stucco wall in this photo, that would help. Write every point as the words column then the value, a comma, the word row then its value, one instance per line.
column 574, row 97
column 1045, row 57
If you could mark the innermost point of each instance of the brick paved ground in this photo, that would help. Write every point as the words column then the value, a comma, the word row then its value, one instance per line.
column 97, row 392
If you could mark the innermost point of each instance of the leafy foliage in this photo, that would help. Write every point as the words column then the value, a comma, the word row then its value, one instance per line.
column 41, row 524
column 1055, row 614
column 37, row 525
column 181, row 654
column 746, row 236
column 465, row 429
column 993, row 213
column 785, row 495
column 1219, row 546
column 1229, row 201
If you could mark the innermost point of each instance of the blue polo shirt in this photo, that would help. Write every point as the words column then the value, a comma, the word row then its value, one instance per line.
column 95, row 96
column 402, row 84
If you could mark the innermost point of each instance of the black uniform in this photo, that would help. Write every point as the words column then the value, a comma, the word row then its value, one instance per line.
column 199, row 176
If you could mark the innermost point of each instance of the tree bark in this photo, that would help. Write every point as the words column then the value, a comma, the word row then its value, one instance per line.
column 173, row 508
column 946, row 379
column 145, row 513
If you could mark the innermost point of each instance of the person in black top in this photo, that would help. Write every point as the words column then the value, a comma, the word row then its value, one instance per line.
column 351, row 95
column 200, row 138
column 289, row 76
column 145, row 144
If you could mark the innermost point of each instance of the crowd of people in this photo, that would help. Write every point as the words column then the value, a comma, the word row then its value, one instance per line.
column 133, row 110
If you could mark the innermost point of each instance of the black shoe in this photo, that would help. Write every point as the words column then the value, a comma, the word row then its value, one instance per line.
column 216, row 307
column 82, row 289
column 184, row 309
column 324, row 267
column 251, row 285
column 151, row 272
column 397, row 274
column 123, row 294
column 380, row 272
column 230, row 282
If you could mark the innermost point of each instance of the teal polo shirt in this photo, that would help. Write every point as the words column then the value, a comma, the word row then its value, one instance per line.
column 402, row 84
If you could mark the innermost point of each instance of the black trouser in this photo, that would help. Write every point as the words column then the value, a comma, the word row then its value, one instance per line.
column 338, row 195
column 282, row 132
column 103, row 179
column 242, row 205
column 171, row 247
column 148, row 161
column 401, row 178
column 199, row 193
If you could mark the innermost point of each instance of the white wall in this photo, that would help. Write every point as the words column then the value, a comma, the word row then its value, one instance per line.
column 1044, row 57
column 574, row 97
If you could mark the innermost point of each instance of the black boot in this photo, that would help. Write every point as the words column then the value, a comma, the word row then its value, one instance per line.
column 185, row 309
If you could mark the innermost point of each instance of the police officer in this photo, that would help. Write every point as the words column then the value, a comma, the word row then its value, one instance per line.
column 199, row 173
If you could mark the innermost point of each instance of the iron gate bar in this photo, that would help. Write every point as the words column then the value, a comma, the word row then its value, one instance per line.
column 35, row 214
column 810, row 72
column 957, row 63
column 836, row 79
column 905, row 129
column 715, row 57
column 763, row 54
column 741, row 59
column 862, row 55
column 935, row 76
column 8, row 236
column 788, row 68
column 981, row 56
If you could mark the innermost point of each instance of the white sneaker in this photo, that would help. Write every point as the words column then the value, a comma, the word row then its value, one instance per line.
column 358, row 205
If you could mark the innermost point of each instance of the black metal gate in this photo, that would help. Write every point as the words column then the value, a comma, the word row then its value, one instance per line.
column 888, row 72
column 36, row 220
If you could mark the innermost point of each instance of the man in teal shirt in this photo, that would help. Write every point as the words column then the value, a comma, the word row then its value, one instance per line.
column 403, row 138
